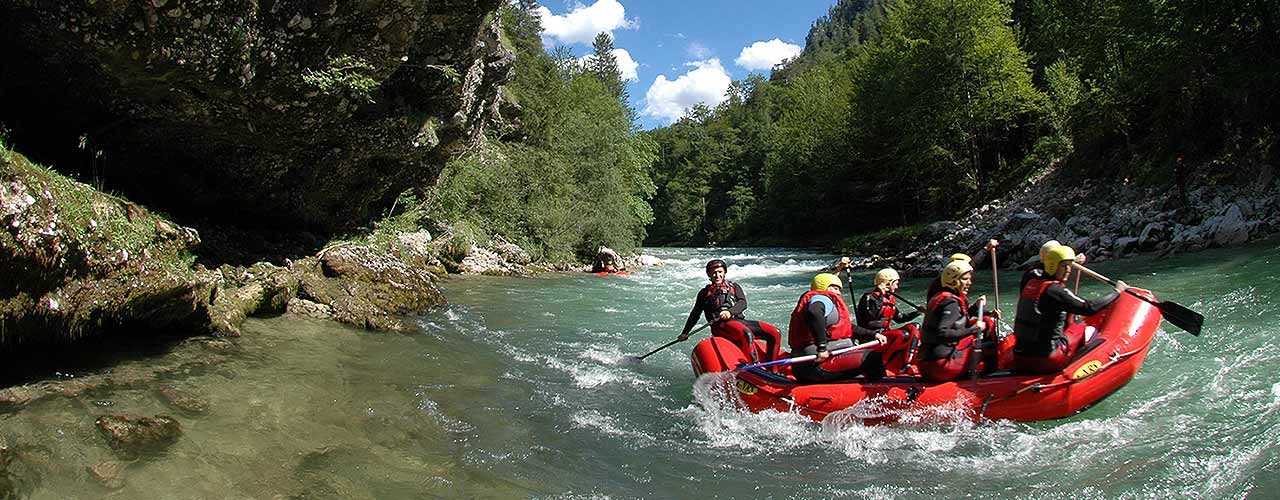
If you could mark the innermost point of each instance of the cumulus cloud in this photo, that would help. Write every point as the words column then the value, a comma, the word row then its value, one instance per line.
column 669, row 99
column 764, row 55
column 626, row 65
column 583, row 23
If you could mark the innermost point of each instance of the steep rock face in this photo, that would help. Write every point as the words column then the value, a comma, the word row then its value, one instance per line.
column 300, row 114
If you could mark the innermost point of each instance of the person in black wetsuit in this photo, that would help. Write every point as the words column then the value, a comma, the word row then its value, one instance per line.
column 723, row 303
column 878, row 309
column 951, row 325
column 935, row 286
column 1043, row 344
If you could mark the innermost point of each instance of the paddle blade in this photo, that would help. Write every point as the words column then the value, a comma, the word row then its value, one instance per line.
column 1181, row 317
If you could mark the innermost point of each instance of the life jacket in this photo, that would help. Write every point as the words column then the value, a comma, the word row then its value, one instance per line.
column 932, row 346
column 944, row 294
column 719, row 298
column 1028, row 325
column 798, row 334
column 888, row 307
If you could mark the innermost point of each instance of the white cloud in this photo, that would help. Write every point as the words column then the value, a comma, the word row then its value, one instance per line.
column 698, row 51
column 583, row 23
column 669, row 99
column 764, row 55
column 626, row 65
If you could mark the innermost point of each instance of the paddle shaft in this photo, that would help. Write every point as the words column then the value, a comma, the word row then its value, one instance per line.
column 977, row 343
column 673, row 342
column 995, row 276
column 802, row 359
column 904, row 299
column 1174, row 313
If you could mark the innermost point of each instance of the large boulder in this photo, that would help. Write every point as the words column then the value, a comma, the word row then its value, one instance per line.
column 1229, row 227
column 298, row 114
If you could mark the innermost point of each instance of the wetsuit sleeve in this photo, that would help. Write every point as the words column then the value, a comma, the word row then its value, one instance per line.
column 815, row 314
column 739, row 302
column 868, row 310
column 698, row 304
column 901, row 317
column 952, row 323
column 863, row 333
column 1072, row 303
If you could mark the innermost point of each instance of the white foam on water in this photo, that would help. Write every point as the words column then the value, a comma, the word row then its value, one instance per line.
column 655, row 324
column 432, row 409
column 608, row 425
column 611, row 310
column 608, row 355
column 1275, row 395
column 722, row 418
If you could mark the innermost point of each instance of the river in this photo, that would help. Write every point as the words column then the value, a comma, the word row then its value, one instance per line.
column 525, row 387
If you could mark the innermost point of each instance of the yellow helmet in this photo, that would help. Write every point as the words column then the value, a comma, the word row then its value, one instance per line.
column 953, row 272
column 960, row 256
column 1048, row 245
column 1055, row 256
column 886, row 275
column 824, row 280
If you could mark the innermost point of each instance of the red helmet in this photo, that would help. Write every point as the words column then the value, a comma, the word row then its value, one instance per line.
column 714, row 263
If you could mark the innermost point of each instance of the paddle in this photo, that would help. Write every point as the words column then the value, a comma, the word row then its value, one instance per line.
column 1180, row 316
column 904, row 299
column 673, row 342
column 802, row 359
column 995, row 275
column 976, row 355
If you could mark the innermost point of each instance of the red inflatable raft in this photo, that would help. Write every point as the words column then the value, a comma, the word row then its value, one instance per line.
column 1109, row 360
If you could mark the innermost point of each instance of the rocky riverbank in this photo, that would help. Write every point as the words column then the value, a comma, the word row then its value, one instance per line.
column 1105, row 220
column 80, row 262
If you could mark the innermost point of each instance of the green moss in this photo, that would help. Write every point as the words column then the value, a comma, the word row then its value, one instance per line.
column 99, row 225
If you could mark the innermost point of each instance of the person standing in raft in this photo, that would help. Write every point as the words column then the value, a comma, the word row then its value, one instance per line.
column 1044, row 345
column 723, row 303
column 949, row 327
column 878, row 307
column 820, row 324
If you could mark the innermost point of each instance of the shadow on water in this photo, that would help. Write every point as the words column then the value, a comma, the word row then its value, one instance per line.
column 33, row 362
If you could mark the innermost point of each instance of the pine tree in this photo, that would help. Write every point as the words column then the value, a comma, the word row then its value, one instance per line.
column 604, row 65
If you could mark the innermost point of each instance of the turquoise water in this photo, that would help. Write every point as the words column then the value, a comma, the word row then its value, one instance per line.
column 525, row 388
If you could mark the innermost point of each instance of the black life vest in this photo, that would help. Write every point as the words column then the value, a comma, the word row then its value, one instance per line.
column 1033, row 338
column 932, row 345
column 719, row 298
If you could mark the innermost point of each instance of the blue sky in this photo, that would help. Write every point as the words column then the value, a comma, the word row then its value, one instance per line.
column 679, row 53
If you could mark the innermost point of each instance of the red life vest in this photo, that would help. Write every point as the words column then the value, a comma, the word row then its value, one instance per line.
column 798, row 334
column 888, row 307
column 1036, row 287
column 942, row 295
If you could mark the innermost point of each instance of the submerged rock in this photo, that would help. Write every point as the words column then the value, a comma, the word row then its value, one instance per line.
column 133, row 435
column 184, row 401
column 108, row 474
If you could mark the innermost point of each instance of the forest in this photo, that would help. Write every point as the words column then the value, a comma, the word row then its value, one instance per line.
column 897, row 113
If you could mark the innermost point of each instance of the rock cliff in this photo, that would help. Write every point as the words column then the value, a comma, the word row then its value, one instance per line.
column 309, row 114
